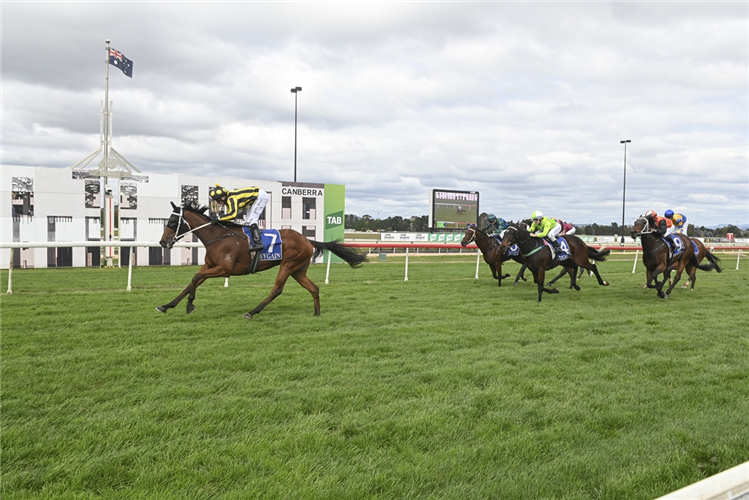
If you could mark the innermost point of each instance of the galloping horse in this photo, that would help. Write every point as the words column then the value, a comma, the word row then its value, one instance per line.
column 655, row 256
column 700, row 255
column 227, row 254
column 493, row 254
column 538, row 257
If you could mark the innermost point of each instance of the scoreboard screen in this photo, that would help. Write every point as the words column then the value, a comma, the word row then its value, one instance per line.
column 453, row 209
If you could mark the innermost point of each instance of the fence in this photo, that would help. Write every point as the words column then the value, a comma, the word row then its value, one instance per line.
column 369, row 246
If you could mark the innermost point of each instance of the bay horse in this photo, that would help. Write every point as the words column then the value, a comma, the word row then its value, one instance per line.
column 227, row 254
column 655, row 256
column 700, row 255
column 493, row 254
column 538, row 257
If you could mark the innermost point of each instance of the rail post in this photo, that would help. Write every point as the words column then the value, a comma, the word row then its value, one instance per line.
column 130, row 269
column 478, row 260
column 738, row 257
column 406, row 278
column 327, row 273
column 637, row 254
column 10, row 272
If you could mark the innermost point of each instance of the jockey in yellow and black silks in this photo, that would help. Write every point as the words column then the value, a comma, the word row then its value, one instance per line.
column 236, row 200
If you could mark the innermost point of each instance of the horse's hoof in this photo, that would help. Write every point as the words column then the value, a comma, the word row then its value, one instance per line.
column 577, row 287
column 515, row 284
column 161, row 309
column 190, row 308
column 665, row 295
column 554, row 290
column 605, row 283
column 247, row 315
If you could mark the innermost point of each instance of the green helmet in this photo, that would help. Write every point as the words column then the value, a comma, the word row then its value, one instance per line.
column 491, row 218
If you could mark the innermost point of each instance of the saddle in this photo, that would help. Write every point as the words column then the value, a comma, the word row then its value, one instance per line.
column 272, row 246
column 564, row 254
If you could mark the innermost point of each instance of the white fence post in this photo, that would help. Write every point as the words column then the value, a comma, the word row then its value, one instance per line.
column 478, row 260
column 10, row 272
column 130, row 269
column 637, row 253
column 406, row 278
column 738, row 257
column 327, row 273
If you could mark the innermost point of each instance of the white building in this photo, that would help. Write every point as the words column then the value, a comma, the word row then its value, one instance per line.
column 39, row 204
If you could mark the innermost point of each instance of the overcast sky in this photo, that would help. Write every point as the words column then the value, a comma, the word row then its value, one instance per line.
column 524, row 102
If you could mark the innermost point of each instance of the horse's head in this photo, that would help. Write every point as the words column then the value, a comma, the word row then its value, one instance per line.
column 640, row 226
column 175, row 227
column 510, row 237
column 470, row 234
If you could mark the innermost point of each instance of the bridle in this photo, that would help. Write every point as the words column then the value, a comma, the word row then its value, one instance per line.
column 645, row 228
column 180, row 220
column 474, row 230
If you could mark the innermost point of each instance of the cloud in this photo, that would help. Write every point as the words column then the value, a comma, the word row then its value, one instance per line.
column 525, row 103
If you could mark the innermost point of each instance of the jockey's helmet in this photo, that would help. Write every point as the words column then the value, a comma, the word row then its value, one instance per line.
column 537, row 215
column 491, row 218
column 669, row 213
column 651, row 213
column 217, row 192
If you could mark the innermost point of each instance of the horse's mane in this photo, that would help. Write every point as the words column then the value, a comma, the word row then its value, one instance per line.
column 194, row 206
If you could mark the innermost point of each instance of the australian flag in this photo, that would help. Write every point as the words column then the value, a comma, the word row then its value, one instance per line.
column 118, row 59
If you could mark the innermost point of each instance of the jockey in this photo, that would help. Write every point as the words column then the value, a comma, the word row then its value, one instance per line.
column 661, row 225
column 679, row 221
column 236, row 200
column 496, row 226
column 545, row 227
column 567, row 228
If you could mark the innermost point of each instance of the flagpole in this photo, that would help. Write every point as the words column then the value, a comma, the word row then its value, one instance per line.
column 103, row 197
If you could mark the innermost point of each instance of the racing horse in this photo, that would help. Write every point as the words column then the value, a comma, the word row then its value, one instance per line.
column 701, row 253
column 493, row 254
column 227, row 254
column 655, row 256
column 538, row 257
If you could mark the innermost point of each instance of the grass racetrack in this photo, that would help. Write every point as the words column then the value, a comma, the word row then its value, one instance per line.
column 442, row 386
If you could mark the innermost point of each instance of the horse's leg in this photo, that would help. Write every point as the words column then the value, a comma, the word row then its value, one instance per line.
column 572, row 270
column 676, row 280
column 190, row 289
column 601, row 281
column 540, row 276
column 301, row 277
column 520, row 274
column 283, row 275
column 564, row 271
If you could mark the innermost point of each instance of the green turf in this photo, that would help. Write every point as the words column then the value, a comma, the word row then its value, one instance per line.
column 442, row 386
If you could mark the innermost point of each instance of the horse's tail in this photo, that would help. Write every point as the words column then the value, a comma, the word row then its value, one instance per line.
column 714, row 263
column 598, row 255
column 351, row 256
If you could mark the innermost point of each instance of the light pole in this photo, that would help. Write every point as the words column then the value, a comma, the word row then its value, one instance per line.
column 624, row 186
column 295, row 91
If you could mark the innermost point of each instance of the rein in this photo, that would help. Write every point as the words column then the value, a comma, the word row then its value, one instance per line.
column 176, row 238
column 494, row 244
column 527, row 239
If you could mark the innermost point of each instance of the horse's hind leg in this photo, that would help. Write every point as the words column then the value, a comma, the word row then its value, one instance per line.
column 594, row 269
column 564, row 271
column 302, row 278
column 283, row 275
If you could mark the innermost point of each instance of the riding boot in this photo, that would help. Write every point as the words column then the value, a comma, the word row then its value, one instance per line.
column 557, row 248
column 257, row 244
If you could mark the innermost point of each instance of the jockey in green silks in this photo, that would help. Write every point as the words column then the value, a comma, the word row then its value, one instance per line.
column 545, row 227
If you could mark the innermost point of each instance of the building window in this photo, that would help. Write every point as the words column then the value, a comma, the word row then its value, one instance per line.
column 128, row 195
column 189, row 193
column 93, row 190
column 286, row 207
column 309, row 206
column 309, row 232
column 22, row 196
column 162, row 222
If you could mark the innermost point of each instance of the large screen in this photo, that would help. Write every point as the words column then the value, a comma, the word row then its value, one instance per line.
column 453, row 209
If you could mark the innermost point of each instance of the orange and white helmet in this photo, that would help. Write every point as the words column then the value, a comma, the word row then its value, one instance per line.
column 651, row 213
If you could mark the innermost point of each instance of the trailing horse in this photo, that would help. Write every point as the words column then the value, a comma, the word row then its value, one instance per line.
column 538, row 257
column 655, row 256
column 493, row 254
column 227, row 254
column 700, row 254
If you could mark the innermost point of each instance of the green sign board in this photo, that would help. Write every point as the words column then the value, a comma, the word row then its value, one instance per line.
column 335, row 207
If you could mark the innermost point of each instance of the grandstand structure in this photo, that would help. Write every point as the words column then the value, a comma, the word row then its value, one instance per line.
column 40, row 204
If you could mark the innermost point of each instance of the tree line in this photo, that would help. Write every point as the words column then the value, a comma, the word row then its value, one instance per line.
column 420, row 224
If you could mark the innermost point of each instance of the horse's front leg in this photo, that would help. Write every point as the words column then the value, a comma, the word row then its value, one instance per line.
column 676, row 280
column 520, row 275
column 176, row 300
